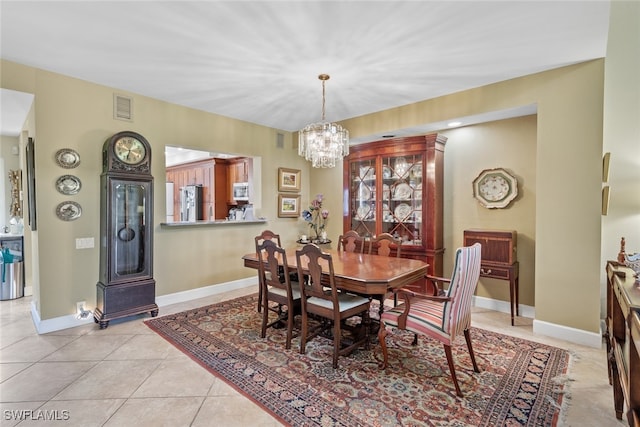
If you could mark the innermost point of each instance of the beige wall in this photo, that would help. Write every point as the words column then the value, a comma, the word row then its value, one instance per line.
column 566, row 186
column 622, row 131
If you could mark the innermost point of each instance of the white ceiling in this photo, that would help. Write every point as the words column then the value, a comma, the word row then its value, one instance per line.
column 259, row 61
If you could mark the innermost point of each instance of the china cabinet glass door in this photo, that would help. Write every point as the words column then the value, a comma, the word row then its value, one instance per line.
column 401, row 202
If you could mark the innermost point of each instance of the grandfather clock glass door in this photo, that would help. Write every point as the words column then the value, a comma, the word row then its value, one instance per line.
column 126, row 285
column 129, row 230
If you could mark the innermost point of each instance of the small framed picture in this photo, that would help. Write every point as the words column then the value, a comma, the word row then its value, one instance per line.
column 288, row 180
column 288, row 206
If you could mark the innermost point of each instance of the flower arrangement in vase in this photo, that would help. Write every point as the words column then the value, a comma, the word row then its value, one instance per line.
column 317, row 217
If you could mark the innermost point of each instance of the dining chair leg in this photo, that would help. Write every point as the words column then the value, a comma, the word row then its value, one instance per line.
column 303, row 333
column 337, row 334
column 382, row 335
column 467, row 337
column 259, row 298
column 452, row 369
column 290, row 316
column 265, row 315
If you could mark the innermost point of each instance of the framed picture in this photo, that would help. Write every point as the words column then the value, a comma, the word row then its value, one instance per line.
column 288, row 206
column 31, row 183
column 288, row 180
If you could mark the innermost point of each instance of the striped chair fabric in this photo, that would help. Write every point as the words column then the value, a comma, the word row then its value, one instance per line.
column 440, row 317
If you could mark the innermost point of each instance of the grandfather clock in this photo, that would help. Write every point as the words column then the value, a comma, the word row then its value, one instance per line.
column 126, row 285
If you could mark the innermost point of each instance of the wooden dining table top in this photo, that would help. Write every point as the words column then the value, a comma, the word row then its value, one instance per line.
column 362, row 273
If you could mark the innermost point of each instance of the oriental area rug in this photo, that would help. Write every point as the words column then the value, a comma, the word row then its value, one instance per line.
column 521, row 383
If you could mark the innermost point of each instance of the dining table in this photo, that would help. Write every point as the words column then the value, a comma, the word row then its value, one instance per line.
column 363, row 274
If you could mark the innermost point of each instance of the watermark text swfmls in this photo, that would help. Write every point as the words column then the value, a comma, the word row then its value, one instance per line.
column 36, row 415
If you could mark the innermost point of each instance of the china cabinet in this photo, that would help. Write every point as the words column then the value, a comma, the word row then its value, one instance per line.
column 396, row 186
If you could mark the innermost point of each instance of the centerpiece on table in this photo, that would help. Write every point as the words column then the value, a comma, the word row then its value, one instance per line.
column 317, row 217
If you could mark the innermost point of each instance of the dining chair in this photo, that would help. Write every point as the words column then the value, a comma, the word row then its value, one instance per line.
column 351, row 241
column 385, row 244
column 441, row 317
column 329, row 303
column 265, row 235
column 277, row 287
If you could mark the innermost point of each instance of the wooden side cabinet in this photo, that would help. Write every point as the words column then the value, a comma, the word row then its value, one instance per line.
column 623, row 340
column 499, row 260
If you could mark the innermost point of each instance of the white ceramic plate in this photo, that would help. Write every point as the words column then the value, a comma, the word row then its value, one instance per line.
column 363, row 192
column 386, row 193
column 67, row 158
column 402, row 192
column 363, row 212
column 402, row 211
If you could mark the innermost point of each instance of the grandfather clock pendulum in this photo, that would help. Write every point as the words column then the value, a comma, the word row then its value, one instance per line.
column 126, row 286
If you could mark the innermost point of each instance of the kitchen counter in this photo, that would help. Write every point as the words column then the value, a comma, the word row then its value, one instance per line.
column 217, row 222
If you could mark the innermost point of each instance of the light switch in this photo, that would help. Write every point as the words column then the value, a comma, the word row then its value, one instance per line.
column 84, row 243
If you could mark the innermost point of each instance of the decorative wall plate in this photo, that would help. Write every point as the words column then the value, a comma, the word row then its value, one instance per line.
column 67, row 158
column 68, row 211
column 495, row 188
column 68, row 184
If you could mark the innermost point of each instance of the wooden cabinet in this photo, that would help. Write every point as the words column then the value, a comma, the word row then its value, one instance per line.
column 194, row 173
column 623, row 340
column 396, row 186
column 499, row 259
column 239, row 170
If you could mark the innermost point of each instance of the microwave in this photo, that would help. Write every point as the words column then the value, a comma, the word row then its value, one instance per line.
column 241, row 191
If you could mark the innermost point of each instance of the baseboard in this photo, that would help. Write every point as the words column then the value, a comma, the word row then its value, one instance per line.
column 57, row 323
column 206, row 291
column 502, row 306
column 577, row 336
column 70, row 321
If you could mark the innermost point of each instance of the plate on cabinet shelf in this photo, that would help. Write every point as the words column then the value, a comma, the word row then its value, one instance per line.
column 402, row 191
column 402, row 211
column 364, row 213
column 386, row 213
column 363, row 192
column 416, row 171
column 367, row 172
column 386, row 172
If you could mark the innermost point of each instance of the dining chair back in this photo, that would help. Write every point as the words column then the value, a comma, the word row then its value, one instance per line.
column 265, row 235
column 277, row 287
column 441, row 317
column 324, row 300
column 386, row 245
column 351, row 241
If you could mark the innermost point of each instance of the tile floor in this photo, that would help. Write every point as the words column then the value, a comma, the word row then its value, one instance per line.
column 126, row 375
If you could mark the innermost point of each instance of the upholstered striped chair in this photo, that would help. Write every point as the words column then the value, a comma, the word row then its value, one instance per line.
column 441, row 317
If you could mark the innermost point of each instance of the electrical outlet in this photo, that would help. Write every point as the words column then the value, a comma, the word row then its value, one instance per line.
column 80, row 306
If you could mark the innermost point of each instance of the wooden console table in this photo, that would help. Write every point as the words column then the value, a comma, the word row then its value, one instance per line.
column 498, row 259
column 623, row 340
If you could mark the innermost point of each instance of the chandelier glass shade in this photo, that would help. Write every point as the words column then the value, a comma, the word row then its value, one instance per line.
column 323, row 143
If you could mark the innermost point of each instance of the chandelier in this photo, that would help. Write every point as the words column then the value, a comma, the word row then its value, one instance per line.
column 323, row 143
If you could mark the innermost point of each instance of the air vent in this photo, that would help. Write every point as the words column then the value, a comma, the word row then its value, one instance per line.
column 280, row 141
column 122, row 107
